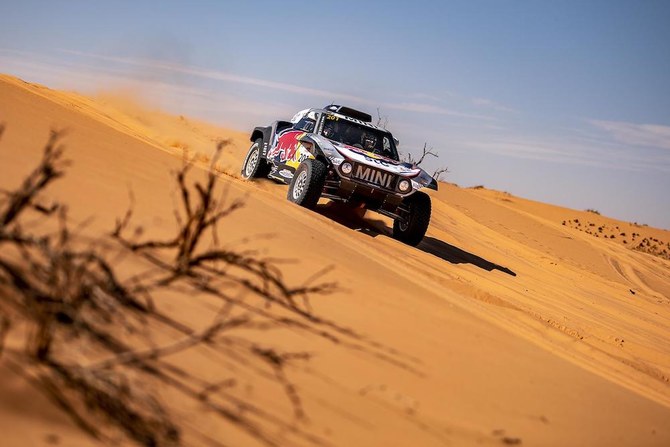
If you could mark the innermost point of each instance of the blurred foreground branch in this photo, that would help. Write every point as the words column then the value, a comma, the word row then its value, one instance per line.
column 73, row 299
column 92, row 325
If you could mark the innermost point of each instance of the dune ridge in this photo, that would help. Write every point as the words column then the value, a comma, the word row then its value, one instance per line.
column 518, row 327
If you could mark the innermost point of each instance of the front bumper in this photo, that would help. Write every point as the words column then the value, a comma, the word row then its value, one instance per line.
column 376, row 199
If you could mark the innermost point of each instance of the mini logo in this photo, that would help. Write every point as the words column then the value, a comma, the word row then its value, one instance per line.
column 383, row 179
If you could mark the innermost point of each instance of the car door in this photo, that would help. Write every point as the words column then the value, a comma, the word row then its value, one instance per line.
column 287, row 153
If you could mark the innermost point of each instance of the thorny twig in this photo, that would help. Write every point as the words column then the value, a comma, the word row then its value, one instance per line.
column 424, row 153
column 69, row 294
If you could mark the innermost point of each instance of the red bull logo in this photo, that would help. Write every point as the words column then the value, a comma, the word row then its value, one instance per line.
column 287, row 145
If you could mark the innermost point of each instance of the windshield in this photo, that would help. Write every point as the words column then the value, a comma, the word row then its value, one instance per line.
column 373, row 140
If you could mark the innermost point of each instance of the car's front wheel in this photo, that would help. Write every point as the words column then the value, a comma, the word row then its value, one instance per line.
column 307, row 183
column 412, row 227
column 254, row 166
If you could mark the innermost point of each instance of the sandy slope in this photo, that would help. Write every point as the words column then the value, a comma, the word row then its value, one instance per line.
column 505, row 325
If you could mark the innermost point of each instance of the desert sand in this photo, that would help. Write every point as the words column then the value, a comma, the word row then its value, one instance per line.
column 513, row 323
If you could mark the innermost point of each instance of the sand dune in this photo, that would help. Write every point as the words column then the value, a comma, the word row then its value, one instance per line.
column 513, row 322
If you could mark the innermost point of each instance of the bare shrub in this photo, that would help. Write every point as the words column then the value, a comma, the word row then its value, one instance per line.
column 426, row 151
column 69, row 293
column 178, row 144
column 202, row 158
column 383, row 120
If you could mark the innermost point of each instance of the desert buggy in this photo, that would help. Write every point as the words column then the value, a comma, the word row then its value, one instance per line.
column 337, row 153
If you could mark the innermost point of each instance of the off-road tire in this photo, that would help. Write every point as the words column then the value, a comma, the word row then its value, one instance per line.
column 412, row 231
column 254, row 165
column 307, row 183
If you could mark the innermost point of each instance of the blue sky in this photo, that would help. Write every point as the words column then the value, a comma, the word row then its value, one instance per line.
column 566, row 102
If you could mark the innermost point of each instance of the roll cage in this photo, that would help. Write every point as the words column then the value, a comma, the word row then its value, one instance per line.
column 350, row 131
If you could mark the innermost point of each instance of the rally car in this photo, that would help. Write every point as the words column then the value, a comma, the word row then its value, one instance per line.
column 337, row 153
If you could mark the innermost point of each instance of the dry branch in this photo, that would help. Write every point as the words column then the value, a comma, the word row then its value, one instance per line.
column 426, row 151
column 49, row 169
column 382, row 121
column 69, row 294
column 439, row 171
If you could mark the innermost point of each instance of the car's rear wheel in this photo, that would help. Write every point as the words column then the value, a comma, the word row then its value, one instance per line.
column 254, row 166
column 307, row 183
column 412, row 227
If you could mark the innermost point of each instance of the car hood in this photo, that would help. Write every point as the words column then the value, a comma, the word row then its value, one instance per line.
column 338, row 152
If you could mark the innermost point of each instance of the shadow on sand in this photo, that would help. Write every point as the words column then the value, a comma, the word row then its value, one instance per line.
column 457, row 256
column 353, row 219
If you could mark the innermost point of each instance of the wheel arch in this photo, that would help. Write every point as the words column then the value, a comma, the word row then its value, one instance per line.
column 260, row 133
column 317, row 151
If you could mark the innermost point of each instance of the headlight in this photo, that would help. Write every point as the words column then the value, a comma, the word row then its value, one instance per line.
column 346, row 168
column 404, row 185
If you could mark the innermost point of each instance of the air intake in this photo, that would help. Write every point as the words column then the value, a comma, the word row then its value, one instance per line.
column 351, row 113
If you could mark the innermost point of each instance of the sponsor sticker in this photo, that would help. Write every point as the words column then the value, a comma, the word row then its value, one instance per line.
column 375, row 176
column 287, row 145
